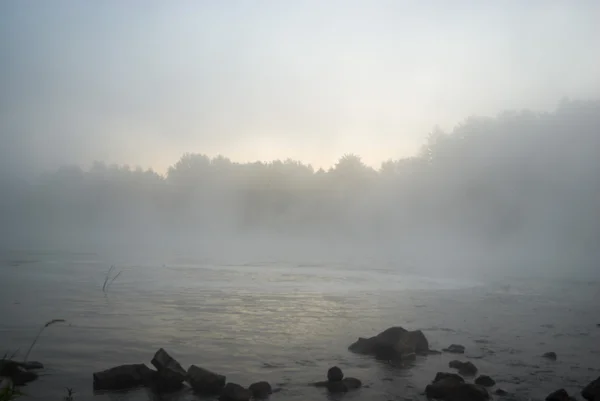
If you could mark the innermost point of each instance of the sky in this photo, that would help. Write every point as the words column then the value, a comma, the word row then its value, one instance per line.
column 142, row 82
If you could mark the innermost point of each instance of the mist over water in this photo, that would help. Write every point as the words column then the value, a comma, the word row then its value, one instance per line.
column 517, row 193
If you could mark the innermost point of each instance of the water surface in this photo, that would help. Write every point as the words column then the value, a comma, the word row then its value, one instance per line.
column 287, row 323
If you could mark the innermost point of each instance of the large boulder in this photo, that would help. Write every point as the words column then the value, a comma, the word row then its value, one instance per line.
column 167, row 366
column 452, row 387
column 235, row 392
column 393, row 343
column 591, row 392
column 464, row 368
column 204, row 381
column 123, row 377
column 170, row 375
column 260, row 389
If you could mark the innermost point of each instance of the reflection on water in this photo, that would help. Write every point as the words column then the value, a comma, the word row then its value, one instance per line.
column 288, row 323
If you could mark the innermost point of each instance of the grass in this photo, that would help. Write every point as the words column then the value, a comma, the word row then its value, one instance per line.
column 69, row 396
column 9, row 393
column 108, row 281
column 49, row 323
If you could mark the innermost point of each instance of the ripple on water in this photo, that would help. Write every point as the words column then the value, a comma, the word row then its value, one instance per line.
column 289, row 324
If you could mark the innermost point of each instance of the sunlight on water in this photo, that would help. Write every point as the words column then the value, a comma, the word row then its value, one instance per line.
column 287, row 323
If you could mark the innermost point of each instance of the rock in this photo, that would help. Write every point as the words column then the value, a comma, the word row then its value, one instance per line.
column 24, row 377
column 337, row 387
column 335, row 374
column 392, row 343
column 160, row 383
column 485, row 381
column 455, row 349
column 204, row 381
column 550, row 355
column 500, row 392
column 469, row 392
column 559, row 395
column 591, row 392
column 352, row 383
column 452, row 387
column 260, row 389
column 168, row 368
column 444, row 375
column 235, row 392
column 464, row 368
column 347, row 384
column 443, row 385
column 123, row 377
column 16, row 372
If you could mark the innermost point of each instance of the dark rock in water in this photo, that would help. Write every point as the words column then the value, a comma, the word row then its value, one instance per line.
column 235, row 392
column 204, row 381
column 469, row 392
column 160, row 383
column 335, row 374
column 559, row 395
column 16, row 372
column 455, row 349
column 500, row 392
column 393, row 343
column 168, row 368
column 260, row 389
column 347, row 384
column 337, row 387
column 23, row 377
column 452, row 387
column 352, row 383
column 445, row 375
column 485, row 381
column 123, row 377
column 591, row 392
column 464, row 368
column 550, row 355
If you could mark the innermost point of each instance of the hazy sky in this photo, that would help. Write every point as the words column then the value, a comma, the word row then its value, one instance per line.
column 141, row 82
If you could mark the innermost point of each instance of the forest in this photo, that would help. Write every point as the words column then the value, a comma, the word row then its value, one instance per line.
column 521, row 180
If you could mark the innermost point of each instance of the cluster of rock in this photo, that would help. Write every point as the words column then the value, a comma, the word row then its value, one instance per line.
column 452, row 387
column 170, row 376
column 591, row 392
column 337, row 383
column 18, row 373
column 395, row 343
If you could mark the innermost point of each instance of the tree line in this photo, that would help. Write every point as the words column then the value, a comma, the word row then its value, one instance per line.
column 517, row 175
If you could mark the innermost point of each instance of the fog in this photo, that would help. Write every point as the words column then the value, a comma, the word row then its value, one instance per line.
column 324, row 115
column 515, row 192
